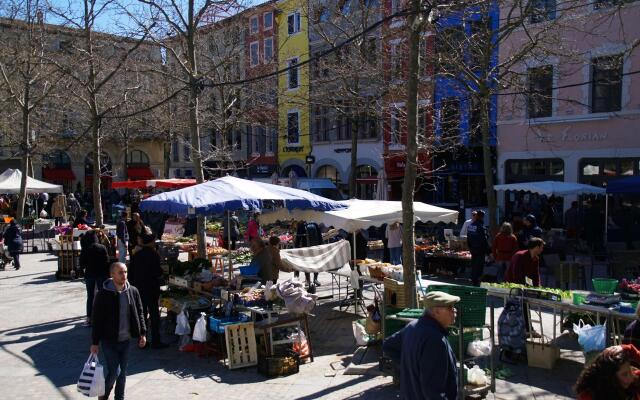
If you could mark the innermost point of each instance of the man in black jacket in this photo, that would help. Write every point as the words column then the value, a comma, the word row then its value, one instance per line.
column 145, row 275
column 94, row 260
column 477, row 240
column 116, row 319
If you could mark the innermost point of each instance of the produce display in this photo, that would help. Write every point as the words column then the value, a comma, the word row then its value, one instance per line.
column 632, row 286
column 241, row 256
column 565, row 294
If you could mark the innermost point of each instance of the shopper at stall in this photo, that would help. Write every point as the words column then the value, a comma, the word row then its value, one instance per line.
column 262, row 260
column 465, row 225
column 145, row 274
column 94, row 260
column 477, row 240
column 81, row 219
column 12, row 237
column 307, row 235
column 274, row 249
column 428, row 367
column 504, row 246
column 59, row 208
column 231, row 229
column 611, row 375
column 531, row 230
column 135, row 229
column 394, row 236
column 73, row 204
column 253, row 228
column 525, row 264
column 116, row 319
column 122, row 236
column 573, row 221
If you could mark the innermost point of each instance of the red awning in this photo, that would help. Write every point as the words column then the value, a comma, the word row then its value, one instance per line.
column 139, row 173
column 58, row 174
column 159, row 183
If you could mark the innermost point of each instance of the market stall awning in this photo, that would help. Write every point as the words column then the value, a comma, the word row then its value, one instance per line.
column 361, row 214
column 230, row 193
column 10, row 183
column 625, row 185
column 551, row 188
column 139, row 173
column 58, row 174
column 154, row 183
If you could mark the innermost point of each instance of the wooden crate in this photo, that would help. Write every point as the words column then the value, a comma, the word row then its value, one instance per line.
column 394, row 293
column 241, row 345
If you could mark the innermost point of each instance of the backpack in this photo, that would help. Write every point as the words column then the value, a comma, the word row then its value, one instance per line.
column 511, row 327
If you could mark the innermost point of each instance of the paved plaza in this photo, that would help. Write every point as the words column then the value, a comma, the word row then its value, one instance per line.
column 44, row 345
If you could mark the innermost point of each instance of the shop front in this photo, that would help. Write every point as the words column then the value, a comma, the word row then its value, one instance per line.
column 57, row 170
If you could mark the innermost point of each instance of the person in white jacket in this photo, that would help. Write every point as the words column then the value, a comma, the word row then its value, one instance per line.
column 465, row 226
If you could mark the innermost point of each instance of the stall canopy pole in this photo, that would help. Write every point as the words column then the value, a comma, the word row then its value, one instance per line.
column 606, row 219
column 229, row 244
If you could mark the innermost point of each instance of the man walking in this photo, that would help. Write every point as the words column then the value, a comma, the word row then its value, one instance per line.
column 122, row 235
column 478, row 246
column 428, row 368
column 117, row 318
column 145, row 276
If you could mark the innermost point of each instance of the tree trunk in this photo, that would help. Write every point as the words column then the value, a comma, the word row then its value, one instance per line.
column 353, row 186
column 167, row 158
column 26, row 143
column 97, row 148
column 492, row 203
column 408, row 229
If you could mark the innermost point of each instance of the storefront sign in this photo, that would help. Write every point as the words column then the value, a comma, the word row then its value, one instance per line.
column 263, row 169
column 567, row 137
column 348, row 150
column 293, row 149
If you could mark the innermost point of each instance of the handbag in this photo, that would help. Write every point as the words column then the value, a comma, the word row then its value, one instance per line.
column 91, row 381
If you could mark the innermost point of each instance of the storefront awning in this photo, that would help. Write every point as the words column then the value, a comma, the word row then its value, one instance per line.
column 58, row 174
column 139, row 173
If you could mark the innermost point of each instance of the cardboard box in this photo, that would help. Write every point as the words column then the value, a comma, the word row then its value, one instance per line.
column 542, row 355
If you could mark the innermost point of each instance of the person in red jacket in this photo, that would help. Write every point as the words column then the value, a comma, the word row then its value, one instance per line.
column 611, row 376
column 505, row 245
column 526, row 264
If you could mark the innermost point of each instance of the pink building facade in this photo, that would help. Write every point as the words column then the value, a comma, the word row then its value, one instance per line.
column 580, row 118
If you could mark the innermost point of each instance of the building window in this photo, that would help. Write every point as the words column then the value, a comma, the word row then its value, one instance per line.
column 238, row 141
column 260, row 139
column 598, row 171
column 187, row 152
column 293, row 23
column 450, row 120
column 255, row 53
column 321, row 128
column 293, row 127
column 543, row 169
column 449, row 48
column 540, row 99
column 253, row 25
column 606, row 84
column 395, row 127
column 175, row 151
column 273, row 141
column 542, row 10
column 138, row 157
column 293, row 74
column 268, row 50
column 321, row 14
column 267, row 21
column 396, row 61
column 188, row 173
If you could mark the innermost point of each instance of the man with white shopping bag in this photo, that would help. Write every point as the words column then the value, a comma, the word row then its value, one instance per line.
column 116, row 319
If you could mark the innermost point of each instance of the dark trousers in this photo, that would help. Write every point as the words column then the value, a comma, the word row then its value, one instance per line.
column 92, row 284
column 116, row 357
column 307, row 275
column 477, row 267
column 16, row 259
column 150, row 306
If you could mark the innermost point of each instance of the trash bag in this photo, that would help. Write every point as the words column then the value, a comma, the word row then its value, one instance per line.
column 91, row 381
column 300, row 343
column 591, row 338
column 182, row 324
column 200, row 330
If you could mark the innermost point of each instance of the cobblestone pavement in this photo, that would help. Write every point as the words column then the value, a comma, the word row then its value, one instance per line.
column 43, row 346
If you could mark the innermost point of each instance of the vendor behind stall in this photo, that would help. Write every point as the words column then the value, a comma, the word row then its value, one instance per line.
column 261, row 259
column 427, row 362
column 525, row 264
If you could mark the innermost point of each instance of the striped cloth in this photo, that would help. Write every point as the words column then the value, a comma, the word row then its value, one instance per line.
column 325, row 257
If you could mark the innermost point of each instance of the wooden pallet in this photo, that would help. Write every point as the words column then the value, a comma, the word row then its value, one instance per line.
column 241, row 345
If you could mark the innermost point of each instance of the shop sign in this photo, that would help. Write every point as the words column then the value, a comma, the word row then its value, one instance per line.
column 568, row 137
column 347, row 150
column 293, row 149
column 263, row 169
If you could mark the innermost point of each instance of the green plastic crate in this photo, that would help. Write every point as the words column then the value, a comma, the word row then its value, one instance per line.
column 414, row 313
column 392, row 326
column 473, row 302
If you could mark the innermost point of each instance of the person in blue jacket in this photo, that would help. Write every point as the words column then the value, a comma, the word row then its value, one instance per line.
column 477, row 240
column 13, row 240
column 428, row 369
column 531, row 230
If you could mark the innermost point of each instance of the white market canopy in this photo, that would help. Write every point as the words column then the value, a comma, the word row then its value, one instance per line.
column 361, row 214
column 10, row 183
column 552, row 188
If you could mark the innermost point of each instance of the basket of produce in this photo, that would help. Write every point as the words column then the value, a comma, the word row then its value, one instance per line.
column 605, row 285
column 376, row 272
column 282, row 365
column 473, row 302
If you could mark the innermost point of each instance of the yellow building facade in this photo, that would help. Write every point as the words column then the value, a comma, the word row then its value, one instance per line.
column 294, row 141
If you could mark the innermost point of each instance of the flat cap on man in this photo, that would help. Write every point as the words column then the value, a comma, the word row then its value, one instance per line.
column 439, row 299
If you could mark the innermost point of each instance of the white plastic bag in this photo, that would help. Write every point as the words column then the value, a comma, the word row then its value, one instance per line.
column 477, row 376
column 43, row 214
column 362, row 338
column 591, row 338
column 182, row 324
column 479, row 348
column 91, row 381
column 200, row 330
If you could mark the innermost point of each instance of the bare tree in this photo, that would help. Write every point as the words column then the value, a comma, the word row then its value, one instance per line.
column 28, row 81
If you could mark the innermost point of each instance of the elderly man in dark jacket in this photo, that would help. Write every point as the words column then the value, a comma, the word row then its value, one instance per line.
column 145, row 274
column 428, row 369
column 94, row 260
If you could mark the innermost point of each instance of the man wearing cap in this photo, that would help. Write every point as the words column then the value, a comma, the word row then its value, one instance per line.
column 145, row 273
column 477, row 240
column 428, row 367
